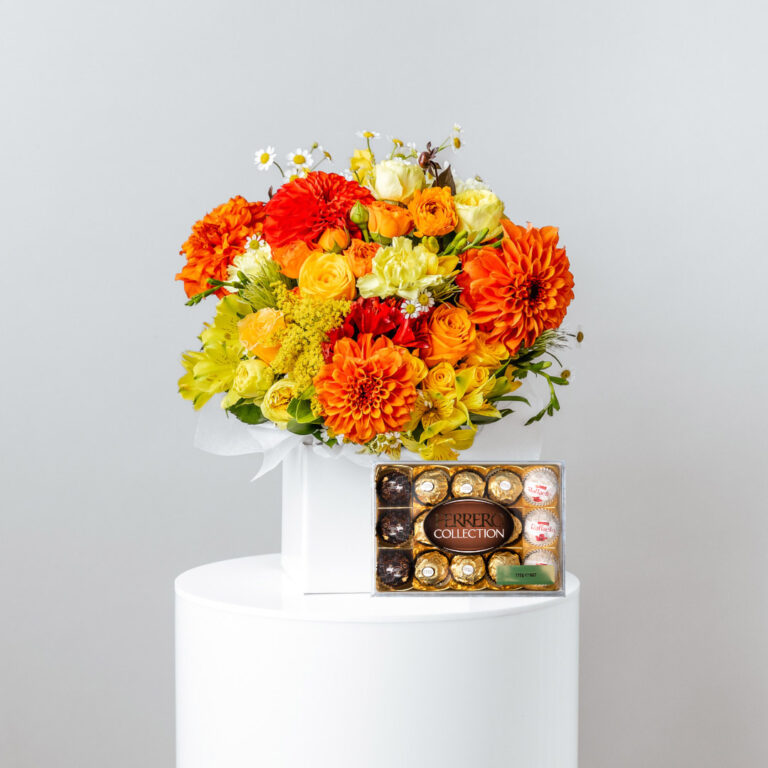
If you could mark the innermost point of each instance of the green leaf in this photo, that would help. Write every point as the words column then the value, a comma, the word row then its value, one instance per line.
column 301, row 429
column 445, row 179
column 512, row 398
column 248, row 413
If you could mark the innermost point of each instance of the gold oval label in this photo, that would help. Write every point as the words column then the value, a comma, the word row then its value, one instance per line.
column 468, row 525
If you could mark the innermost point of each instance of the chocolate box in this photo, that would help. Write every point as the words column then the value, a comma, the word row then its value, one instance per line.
column 491, row 528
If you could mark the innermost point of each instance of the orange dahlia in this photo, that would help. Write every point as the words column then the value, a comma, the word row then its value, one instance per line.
column 215, row 240
column 367, row 388
column 304, row 208
column 519, row 291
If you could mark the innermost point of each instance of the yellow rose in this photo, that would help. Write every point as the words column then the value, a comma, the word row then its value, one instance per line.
column 476, row 376
column 276, row 401
column 326, row 276
column 479, row 209
column 257, row 331
column 397, row 181
column 442, row 379
column 252, row 380
column 487, row 352
column 417, row 365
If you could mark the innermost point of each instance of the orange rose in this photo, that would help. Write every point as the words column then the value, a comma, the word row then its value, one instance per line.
column 291, row 257
column 334, row 239
column 360, row 255
column 388, row 220
column 451, row 335
column 433, row 211
column 257, row 332
column 326, row 276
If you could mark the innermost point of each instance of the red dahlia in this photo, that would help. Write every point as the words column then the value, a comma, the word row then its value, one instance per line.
column 304, row 208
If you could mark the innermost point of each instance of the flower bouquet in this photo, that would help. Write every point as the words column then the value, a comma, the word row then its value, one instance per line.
column 388, row 307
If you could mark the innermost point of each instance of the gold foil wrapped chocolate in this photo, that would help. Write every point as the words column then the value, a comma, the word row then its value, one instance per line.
column 504, row 557
column 504, row 486
column 467, row 569
column 431, row 569
column 467, row 483
column 431, row 486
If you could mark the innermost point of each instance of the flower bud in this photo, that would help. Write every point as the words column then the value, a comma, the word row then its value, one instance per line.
column 358, row 214
column 431, row 244
column 334, row 239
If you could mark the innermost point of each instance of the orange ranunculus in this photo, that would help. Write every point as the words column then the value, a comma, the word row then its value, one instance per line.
column 334, row 239
column 291, row 257
column 360, row 256
column 451, row 335
column 388, row 220
column 257, row 332
column 367, row 389
column 433, row 211
column 520, row 290
column 326, row 276
column 215, row 240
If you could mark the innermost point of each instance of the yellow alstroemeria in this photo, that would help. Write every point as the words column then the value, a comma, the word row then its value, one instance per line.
column 442, row 447
column 223, row 331
column 208, row 372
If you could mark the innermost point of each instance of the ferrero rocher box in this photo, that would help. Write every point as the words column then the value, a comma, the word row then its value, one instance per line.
column 469, row 528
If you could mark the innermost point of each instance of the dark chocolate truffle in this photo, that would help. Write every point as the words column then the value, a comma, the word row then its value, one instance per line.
column 394, row 488
column 395, row 525
column 394, row 567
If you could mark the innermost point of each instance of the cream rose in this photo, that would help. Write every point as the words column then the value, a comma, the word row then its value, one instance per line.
column 479, row 209
column 397, row 181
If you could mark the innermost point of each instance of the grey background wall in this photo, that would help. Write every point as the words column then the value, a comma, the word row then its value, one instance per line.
column 638, row 128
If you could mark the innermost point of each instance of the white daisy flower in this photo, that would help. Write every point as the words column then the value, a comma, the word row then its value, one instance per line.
column 425, row 300
column 411, row 308
column 456, row 141
column 368, row 134
column 348, row 175
column 411, row 145
column 264, row 158
column 299, row 159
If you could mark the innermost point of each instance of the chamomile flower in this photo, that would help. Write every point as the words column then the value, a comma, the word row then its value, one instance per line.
column 368, row 134
column 425, row 300
column 348, row 175
column 411, row 308
column 299, row 160
column 323, row 152
column 456, row 138
column 264, row 158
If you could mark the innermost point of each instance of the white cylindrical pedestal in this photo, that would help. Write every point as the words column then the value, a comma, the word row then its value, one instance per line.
column 267, row 676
